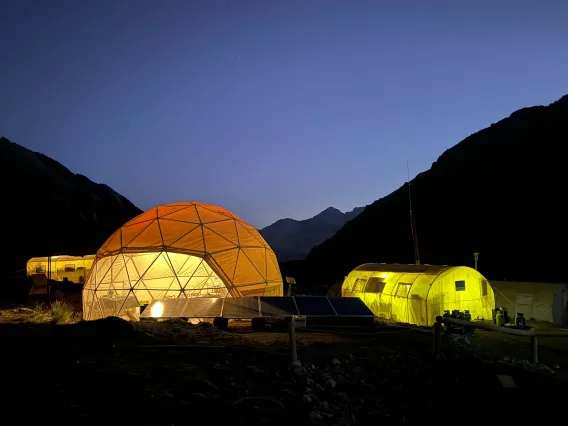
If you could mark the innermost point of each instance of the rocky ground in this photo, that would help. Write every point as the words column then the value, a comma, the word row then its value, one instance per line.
column 115, row 372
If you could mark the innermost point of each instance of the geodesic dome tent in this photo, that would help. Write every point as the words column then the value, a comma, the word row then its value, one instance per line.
column 179, row 250
column 416, row 294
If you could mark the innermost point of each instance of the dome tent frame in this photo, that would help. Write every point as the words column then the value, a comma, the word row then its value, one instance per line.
column 416, row 294
column 179, row 250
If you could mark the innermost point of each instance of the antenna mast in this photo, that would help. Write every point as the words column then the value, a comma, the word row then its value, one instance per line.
column 412, row 223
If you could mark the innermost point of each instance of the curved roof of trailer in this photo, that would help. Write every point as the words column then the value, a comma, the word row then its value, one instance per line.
column 410, row 269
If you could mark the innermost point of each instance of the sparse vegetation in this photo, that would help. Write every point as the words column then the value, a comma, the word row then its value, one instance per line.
column 57, row 312
column 61, row 312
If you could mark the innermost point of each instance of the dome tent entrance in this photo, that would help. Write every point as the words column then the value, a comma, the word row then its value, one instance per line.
column 179, row 250
column 416, row 294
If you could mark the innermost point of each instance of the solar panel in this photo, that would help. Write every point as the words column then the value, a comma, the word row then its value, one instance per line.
column 241, row 307
column 203, row 307
column 248, row 307
column 350, row 306
column 314, row 306
column 197, row 307
column 171, row 308
column 275, row 306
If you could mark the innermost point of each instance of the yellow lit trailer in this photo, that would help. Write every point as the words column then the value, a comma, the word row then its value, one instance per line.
column 416, row 294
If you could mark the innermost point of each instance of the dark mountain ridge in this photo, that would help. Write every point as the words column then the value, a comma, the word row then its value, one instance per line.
column 498, row 192
column 50, row 210
column 293, row 239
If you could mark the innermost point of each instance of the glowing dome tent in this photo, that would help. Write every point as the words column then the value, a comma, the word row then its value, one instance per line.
column 179, row 250
column 416, row 294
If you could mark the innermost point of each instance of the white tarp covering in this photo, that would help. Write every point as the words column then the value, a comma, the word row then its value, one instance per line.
column 539, row 301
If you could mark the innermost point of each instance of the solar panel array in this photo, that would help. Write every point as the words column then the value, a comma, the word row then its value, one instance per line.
column 257, row 307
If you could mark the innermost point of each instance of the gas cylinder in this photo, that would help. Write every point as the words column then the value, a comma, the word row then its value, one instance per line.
column 499, row 318
column 520, row 322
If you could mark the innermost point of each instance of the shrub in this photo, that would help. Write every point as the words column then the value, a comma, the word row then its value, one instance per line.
column 61, row 312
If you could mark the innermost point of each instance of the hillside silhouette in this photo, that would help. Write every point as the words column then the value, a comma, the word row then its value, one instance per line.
column 293, row 239
column 49, row 210
column 500, row 192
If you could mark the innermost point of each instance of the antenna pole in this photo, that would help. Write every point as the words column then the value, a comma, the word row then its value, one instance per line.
column 412, row 223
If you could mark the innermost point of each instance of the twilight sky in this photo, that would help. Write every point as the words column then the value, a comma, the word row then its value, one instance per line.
column 272, row 108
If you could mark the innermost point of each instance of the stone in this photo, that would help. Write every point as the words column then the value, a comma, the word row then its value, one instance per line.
column 331, row 383
column 251, row 369
column 309, row 381
column 259, row 403
column 307, row 399
column 335, row 362
column 315, row 416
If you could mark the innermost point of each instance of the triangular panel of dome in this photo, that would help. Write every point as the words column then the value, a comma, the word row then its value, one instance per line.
column 137, row 264
column 113, row 243
column 160, row 268
column 118, row 269
column 94, row 309
column 209, row 213
column 273, row 270
column 257, row 256
column 203, row 270
column 147, row 215
column 176, row 260
column 171, row 208
column 246, row 272
column 192, row 283
column 103, row 265
column 246, row 238
column 129, row 232
column 215, row 242
column 226, row 262
column 173, row 230
column 226, row 228
column 188, row 268
column 149, row 237
column 143, row 295
column 184, row 215
column 161, row 284
column 193, row 241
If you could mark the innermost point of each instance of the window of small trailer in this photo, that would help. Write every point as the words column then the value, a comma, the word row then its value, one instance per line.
column 403, row 289
column 360, row 284
column 375, row 285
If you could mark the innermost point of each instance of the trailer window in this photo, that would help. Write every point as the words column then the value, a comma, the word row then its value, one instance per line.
column 375, row 285
column 484, row 287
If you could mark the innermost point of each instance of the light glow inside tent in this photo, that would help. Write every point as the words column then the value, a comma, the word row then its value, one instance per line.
column 416, row 294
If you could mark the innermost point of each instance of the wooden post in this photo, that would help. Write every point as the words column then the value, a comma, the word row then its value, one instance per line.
column 436, row 348
column 534, row 349
column 292, row 338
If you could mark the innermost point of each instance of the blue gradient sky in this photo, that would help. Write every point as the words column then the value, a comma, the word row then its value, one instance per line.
column 270, row 108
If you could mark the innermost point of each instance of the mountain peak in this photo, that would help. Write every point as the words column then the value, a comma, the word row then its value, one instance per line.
column 330, row 212
column 293, row 239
